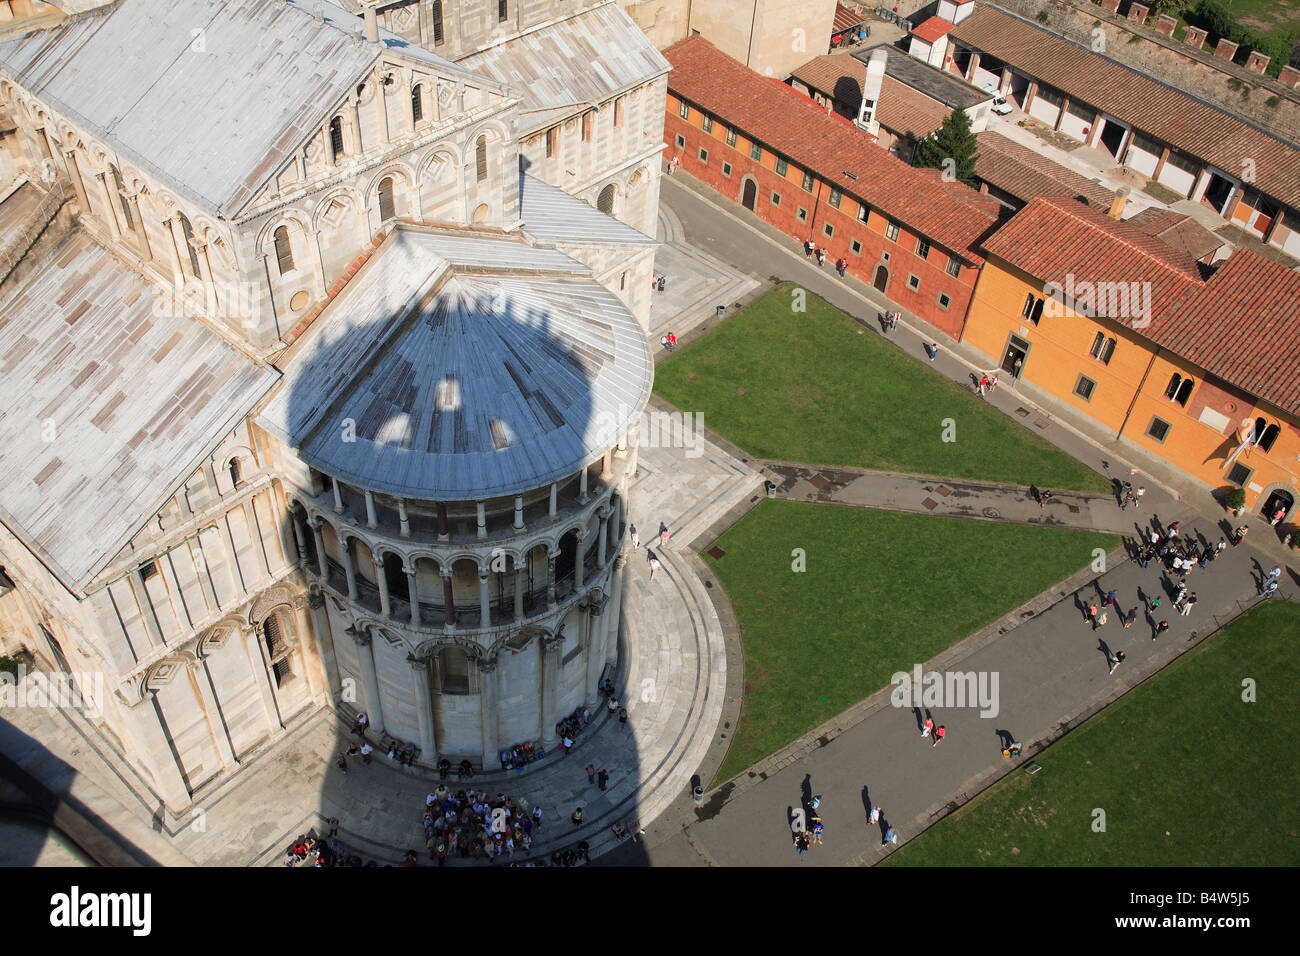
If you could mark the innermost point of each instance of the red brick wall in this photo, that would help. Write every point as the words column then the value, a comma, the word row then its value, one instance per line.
column 903, row 260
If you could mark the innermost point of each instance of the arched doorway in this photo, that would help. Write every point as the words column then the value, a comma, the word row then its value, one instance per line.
column 749, row 195
column 605, row 201
column 881, row 281
column 1280, row 498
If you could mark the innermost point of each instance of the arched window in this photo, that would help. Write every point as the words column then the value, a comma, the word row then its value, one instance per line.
column 127, row 220
column 436, row 14
column 1102, row 348
column 417, row 103
column 1264, row 434
column 283, row 250
column 386, row 210
column 605, row 201
column 188, row 232
column 336, row 136
column 235, row 476
column 480, row 158
column 275, row 633
column 1174, row 382
column 1184, row 392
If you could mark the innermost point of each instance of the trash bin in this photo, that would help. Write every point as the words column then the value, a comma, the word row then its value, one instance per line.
column 770, row 487
column 722, row 309
column 697, row 788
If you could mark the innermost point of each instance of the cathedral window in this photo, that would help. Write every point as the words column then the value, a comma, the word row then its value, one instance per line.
column 283, row 250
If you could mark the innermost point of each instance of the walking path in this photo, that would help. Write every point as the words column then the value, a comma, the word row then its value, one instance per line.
column 1052, row 667
column 918, row 494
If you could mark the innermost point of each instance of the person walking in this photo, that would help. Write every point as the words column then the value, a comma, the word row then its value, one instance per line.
column 1110, row 597
column 938, row 735
column 622, row 716
column 1115, row 660
column 1160, row 629
column 602, row 778
column 932, row 350
column 673, row 164
column 1137, row 496
column 567, row 743
column 873, row 817
column 890, row 836
column 636, row 538
column 1239, row 535
column 808, row 247
column 366, row 750
column 654, row 566
column 1187, row 604
column 1092, row 615
column 1131, row 617
column 591, row 773
column 929, row 728
column 1276, row 572
column 1101, row 620
column 663, row 535
column 841, row 266
column 342, row 762
column 821, row 258
column 1277, row 517
column 1155, row 603
column 1266, row 590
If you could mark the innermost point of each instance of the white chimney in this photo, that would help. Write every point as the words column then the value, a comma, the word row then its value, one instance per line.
column 871, row 91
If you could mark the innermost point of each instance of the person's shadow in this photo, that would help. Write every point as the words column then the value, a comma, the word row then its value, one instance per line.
column 806, row 795
column 920, row 720
column 866, row 802
column 1105, row 650
column 1081, row 606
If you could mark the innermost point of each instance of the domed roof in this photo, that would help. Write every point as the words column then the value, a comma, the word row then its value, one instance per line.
column 455, row 368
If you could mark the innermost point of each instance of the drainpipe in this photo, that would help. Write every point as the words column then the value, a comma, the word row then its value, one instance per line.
column 1124, row 424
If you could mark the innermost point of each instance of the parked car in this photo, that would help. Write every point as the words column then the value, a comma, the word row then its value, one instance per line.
column 1000, row 104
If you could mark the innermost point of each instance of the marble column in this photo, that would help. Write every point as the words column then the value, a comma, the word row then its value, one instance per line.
column 602, row 539
column 366, row 651
column 607, row 466
column 614, row 610
column 74, row 173
column 484, row 602
column 448, row 599
column 579, row 558
column 583, row 497
column 338, row 497
column 299, row 541
column 320, row 548
column 551, row 648
column 113, row 227
column 489, row 678
column 482, row 519
column 552, row 505
column 595, row 650
column 141, row 238
column 381, row 107
column 357, row 146
column 424, row 709
column 519, row 512
column 313, row 666
column 403, row 519
column 372, row 520
column 550, row 578
column 349, row 568
column 520, row 584
column 381, row 579
column 414, row 591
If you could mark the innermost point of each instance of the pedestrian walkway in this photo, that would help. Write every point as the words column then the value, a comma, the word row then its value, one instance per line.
column 918, row 494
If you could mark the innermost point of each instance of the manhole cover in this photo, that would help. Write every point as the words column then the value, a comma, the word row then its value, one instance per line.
column 941, row 490
column 1022, row 412
column 1040, row 424
column 1074, row 509
column 930, row 504
column 992, row 513
column 716, row 552
column 820, row 482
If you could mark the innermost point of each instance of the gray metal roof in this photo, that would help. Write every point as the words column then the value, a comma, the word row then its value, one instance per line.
column 459, row 382
column 947, row 88
column 582, row 60
column 552, row 215
column 104, row 407
column 214, row 114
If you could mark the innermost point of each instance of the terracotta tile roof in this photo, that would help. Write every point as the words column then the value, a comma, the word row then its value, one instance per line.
column 1178, row 230
column 933, row 29
column 1244, row 326
column 1174, row 117
column 845, row 18
column 785, row 121
column 1064, row 241
column 902, row 111
column 1026, row 175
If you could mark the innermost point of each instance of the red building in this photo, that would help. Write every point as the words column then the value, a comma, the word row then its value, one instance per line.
column 813, row 175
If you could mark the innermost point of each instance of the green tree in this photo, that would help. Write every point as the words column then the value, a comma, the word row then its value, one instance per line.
column 951, row 148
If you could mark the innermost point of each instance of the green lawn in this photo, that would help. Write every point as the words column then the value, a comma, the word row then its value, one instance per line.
column 819, row 388
column 1188, row 773
column 874, row 600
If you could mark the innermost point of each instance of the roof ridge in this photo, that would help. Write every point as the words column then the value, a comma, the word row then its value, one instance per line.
column 1096, row 226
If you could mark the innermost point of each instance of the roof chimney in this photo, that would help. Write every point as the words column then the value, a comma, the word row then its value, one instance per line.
column 1118, row 203
column 372, row 22
column 871, row 92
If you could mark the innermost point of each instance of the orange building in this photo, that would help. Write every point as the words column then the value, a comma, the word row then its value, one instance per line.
column 1197, row 367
